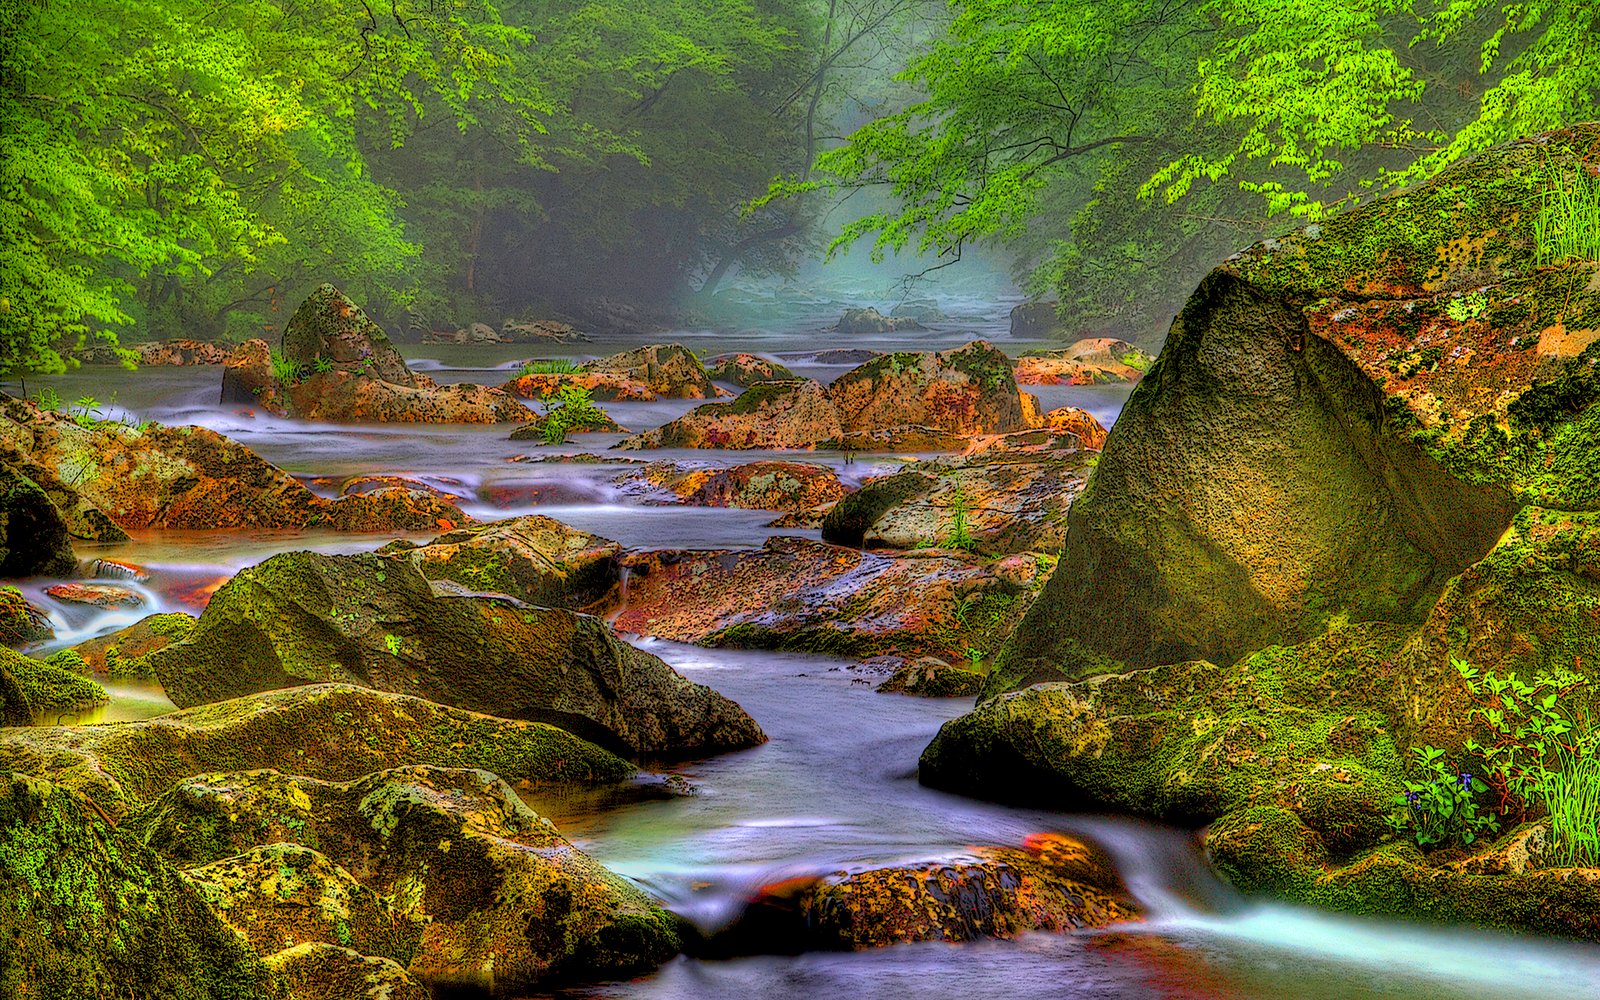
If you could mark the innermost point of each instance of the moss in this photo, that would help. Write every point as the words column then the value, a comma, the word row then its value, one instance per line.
column 335, row 732
column 88, row 912
column 758, row 396
column 50, row 689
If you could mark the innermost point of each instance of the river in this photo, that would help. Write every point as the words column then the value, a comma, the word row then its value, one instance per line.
column 835, row 788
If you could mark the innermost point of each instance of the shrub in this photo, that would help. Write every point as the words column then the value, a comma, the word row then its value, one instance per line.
column 573, row 407
column 285, row 370
column 960, row 536
column 552, row 366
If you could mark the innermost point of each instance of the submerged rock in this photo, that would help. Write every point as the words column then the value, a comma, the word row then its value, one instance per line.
column 303, row 618
column 870, row 320
column 335, row 732
column 930, row 677
column 34, row 540
column 98, row 595
column 485, row 894
column 87, row 912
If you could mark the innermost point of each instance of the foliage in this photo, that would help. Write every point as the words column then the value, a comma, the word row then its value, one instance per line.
column 1466, row 307
column 574, row 407
column 1568, row 224
column 1545, row 752
column 960, row 535
column 1440, row 804
column 553, row 366
column 285, row 369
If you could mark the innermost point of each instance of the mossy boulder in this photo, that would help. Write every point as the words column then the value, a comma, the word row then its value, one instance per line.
column 506, row 902
column 21, row 622
column 792, row 415
column 305, row 618
column 125, row 653
column 534, row 558
column 34, row 540
column 321, row 971
column 1342, row 420
column 931, row 677
column 282, row 895
column 671, row 371
column 786, row 486
column 334, row 732
column 1269, row 850
column 47, row 691
column 329, row 327
column 86, row 911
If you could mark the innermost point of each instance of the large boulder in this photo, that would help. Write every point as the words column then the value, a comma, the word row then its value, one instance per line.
column 794, row 593
column 1366, row 453
column 482, row 893
column 533, row 558
column 335, row 732
column 870, row 320
column 1342, row 420
column 745, row 370
column 331, row 329
column 21, row 622
column 305, row 618
column 918, row 400
column 189, row 477
column 88, row 912
column 34, row 540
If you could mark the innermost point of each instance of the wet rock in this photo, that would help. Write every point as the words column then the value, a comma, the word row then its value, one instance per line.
column 1088, row 362
column 281, row 895
column 304, row 618
column 356, row 397
column 183, row 352
column 844, row 356
column 189, row 477
column 21, row 622
column 328, row 327
column 798, row 594
column 671, row 371
column 533, row 558
column 1073, row 420
column 539, row 331
column 929, row 401
column 869, row 320
column 34, row 540
column 747, row 369
column 359, row 485
column 791, row 486
column 97, row 595
column 329, row 972
column 931, row 677
column 507, row 902
column 118, row 569
column 89, row 912
column 603, row 387
column 335, row 732
column 1054, row 883
column 1015, row 501
column 768, row 416
column 40, row 690
column 125, row 653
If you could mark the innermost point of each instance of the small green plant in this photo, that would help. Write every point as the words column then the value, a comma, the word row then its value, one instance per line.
column 322, row 365
column 286, row 370
column 1136, row 360
column 1545, row 751
column 1465, row 307
column 1568, row 224
column 1440, row 804
column 392, row 643
column 551, row 366
column 86, row 411
column 960, row 536
column 48, row 399
column 975, row 660
column 573, row 407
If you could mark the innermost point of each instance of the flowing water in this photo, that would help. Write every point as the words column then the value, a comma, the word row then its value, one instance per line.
column 835, row 788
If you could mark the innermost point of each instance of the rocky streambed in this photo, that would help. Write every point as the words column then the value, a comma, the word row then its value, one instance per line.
column 336, row 686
